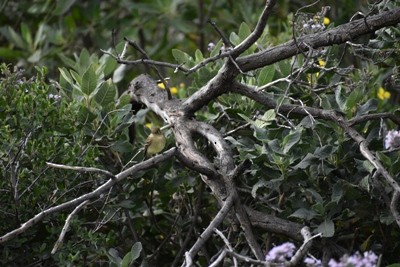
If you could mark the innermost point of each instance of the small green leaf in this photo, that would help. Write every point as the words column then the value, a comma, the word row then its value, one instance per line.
column 106, row 93
column 63, row 6
column 217, row 49
column 89, row 80
column 198, row 56
column 337, row 192
column 266, row 75
column 304, row 214
column 370, row 105
column 119, row 73
column 325, row 151
column 14, row 37
column 291, row 139
column 327, row 228
column 244, row 31
column 285, row 67
column 85, row 115
column 353, row 99
column 65, row 74
column 234, row 39
column 182, row 57
column 40, row 35
column 136, row 249
column 26, row 34
column 340, row 100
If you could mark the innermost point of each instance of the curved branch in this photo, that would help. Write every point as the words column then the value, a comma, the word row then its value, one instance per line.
column 253, row 37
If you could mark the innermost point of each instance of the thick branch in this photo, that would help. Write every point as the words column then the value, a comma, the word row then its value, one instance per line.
column 337, row 35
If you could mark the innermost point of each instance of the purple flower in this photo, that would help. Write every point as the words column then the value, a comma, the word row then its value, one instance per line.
column 392, row 139
column 281, row 253
column 312, row 262
column 368, row 259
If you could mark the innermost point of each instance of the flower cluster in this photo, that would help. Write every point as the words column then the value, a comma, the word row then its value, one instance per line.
column 285, row 252
column 392, row 139
column 281, row 253
column 172, row 89
column 368, row 259
column 55, row 97
column 312, row 262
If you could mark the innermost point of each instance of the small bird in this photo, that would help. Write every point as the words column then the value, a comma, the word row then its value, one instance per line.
column 155, row 142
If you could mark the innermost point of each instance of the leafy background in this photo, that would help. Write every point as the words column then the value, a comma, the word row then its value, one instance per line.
column 60, row 101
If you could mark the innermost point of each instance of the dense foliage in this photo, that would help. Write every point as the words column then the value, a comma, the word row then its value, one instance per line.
column 62, row 101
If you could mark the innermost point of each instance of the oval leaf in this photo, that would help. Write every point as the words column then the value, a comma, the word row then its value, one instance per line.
column 106, row 93
column 327, row 228
column 89, row 80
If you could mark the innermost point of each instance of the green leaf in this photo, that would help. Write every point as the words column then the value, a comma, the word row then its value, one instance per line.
column 40, row 35
column 65, row 74
column 304, row 214
column 234, row 39
column 35, row 57
column 26, row 34
column 337, row 192
column 198, row 56
column 14, row 37
column 244, row 31
column 122, row 146
column 327, row 228
column 182, row 57
column 77, row 78
column 340, row 100
column 89, row 80
column 85, row 115
column 266, row 119
column 291, row 139
column 285, row 67
column 217, row 49
column 106, row 93
column 353, row 99
column 119, row 73
column 370, row 105
column 136, row 249
column 123, row 100
column 63, row 6
column 325, row 151
column 308, row 160
column 266, row 75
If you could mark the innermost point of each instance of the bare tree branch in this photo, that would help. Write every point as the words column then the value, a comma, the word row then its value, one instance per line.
column 207, row 233
column 338, row 35
column 66, row 226
column 95, row 193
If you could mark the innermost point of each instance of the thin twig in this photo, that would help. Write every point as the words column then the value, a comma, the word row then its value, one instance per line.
column 66, row 226
column 81, row 169
column 207, row 233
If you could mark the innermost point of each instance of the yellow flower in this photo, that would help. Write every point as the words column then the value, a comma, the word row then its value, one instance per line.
column 383, row 94
column 174, row 90
column 148, row 125
column 161, row 85
column 321, row 62
column 327, row 21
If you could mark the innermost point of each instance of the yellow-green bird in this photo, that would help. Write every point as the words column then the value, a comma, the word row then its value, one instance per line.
column 155, row 142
